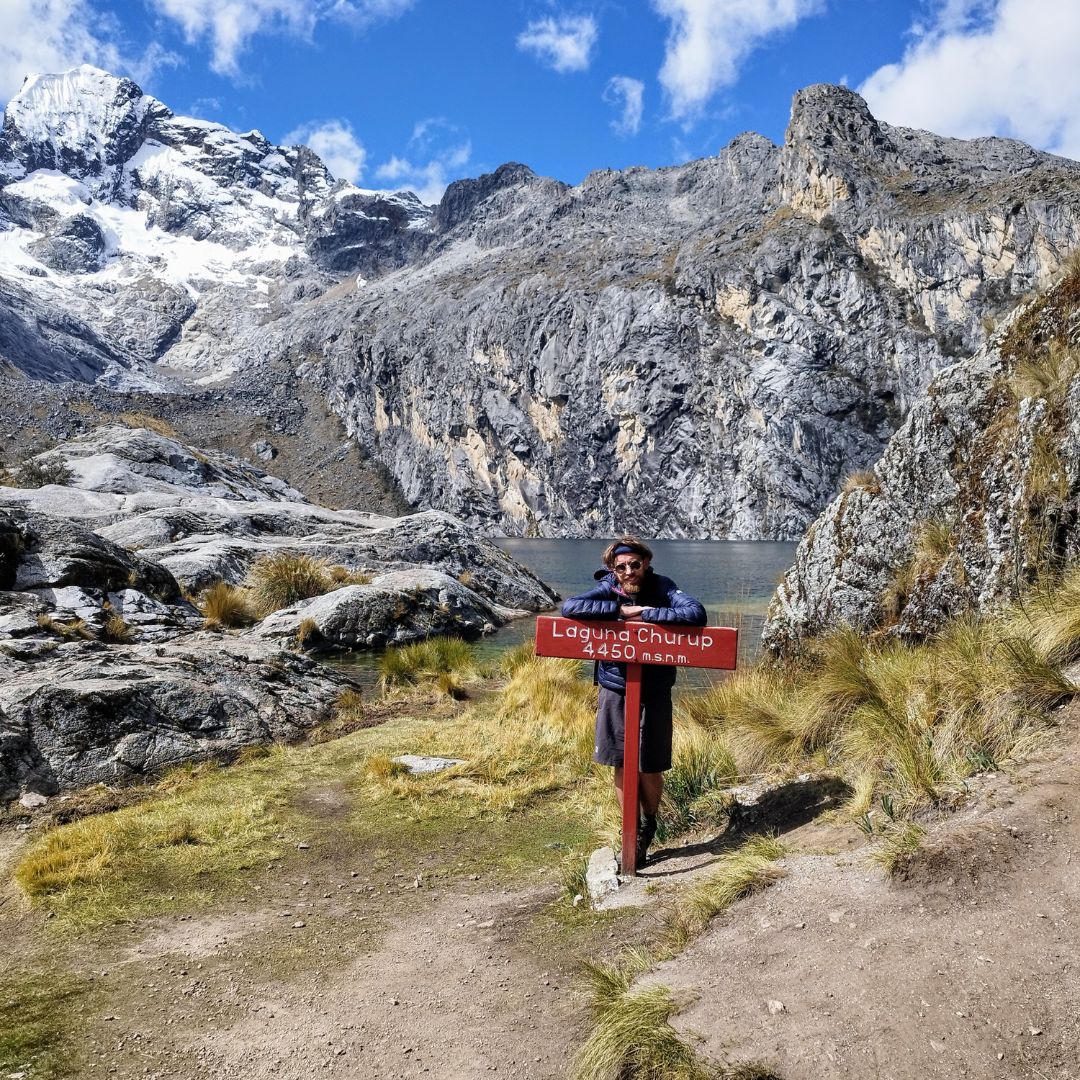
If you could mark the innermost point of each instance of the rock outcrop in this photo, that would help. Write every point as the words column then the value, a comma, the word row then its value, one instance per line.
column 86, row 713
column 106, row 670
column 703, row 350
column 974, row 497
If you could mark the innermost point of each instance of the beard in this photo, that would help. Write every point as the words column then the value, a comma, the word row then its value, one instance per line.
column 631, row 588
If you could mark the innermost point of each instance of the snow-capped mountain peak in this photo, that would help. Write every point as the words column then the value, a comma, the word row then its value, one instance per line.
column 130, row 218
column 79, row 122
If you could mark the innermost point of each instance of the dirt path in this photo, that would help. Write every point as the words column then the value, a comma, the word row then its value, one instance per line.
column 344, row 963
column 970, row 967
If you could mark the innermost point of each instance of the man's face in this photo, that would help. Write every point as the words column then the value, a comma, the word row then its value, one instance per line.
column 630, row 570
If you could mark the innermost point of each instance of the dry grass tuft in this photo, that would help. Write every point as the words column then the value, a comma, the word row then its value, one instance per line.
column 906, row 719
column 865, row 480
column 116, row 631
column 632, row 1038
column 151, row 423
column 342, row 575
column 75, row 630
column 285, row 578
column 308, row 633
column 746, row 871
column 898, row 844
column 225, row 605
column 444, row 662
column 108, row 867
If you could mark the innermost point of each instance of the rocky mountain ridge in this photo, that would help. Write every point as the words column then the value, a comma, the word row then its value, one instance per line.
column 975, row 500
column 702, row 350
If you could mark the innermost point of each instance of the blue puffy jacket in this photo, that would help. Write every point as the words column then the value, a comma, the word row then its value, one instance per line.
column 663, row 601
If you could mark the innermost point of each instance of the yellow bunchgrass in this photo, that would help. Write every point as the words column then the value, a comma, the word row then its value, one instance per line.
column 1049, row 617
column 536, row 740
column 632, row 1038
column 285, row 578
column 747, row 870
column 226, row 605
column 902, row 718
column 109, row 867
column 445, row 663
column 898, row 844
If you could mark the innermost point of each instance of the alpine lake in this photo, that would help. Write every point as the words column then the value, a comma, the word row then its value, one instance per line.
column 734, row 579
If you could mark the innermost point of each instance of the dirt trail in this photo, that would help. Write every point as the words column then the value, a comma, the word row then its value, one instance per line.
column 345, row 964
column 968, row 968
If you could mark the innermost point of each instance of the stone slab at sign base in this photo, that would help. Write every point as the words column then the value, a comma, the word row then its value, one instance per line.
column 419, row 765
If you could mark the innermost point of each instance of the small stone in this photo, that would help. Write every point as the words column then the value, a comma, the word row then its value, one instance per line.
column 31, row 800
column 836, row 917
column 303, row 847
column 775, row 1007
column 1035, row 1031
column 299, row 924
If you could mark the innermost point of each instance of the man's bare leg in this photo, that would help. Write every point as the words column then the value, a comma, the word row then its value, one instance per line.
column 650, row 790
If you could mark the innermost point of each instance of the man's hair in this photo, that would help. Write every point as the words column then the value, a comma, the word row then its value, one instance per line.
column 631, row 542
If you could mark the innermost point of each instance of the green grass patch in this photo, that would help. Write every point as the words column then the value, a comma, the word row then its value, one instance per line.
column 900, row 718
column 39, row 1023
column 445, row 663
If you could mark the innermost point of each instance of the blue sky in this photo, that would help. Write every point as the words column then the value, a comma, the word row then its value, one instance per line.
column 414, row 93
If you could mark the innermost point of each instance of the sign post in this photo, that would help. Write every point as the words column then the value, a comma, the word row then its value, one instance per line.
column 635, row 643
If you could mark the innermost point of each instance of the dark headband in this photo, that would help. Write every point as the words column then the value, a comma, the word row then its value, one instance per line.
column 624, row 549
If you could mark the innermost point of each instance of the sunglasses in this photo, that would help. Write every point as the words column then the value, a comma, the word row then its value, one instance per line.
column 627, row 567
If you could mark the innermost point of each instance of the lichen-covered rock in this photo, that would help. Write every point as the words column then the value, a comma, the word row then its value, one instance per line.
column 90, row 713
column 42, row 552
column 976, row 494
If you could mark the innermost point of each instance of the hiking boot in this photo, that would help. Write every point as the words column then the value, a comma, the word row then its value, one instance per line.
column 646, row 832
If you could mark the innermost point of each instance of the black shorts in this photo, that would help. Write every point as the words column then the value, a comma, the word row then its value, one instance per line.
column 655, row 730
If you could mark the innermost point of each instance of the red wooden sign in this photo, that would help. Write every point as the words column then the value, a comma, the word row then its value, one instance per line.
column 635, row 643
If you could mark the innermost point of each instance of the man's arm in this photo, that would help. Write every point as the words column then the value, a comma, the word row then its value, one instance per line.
column 682, row 609
column 597, row 603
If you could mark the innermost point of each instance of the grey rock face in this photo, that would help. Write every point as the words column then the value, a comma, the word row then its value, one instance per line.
column 96, row 713
column 704, row 350
column 701, row 350
column 76, row 246
column 973, row 496
column 38, row 551
column 84, row 700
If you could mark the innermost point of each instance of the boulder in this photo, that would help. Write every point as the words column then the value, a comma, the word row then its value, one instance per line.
column 93, row 713
column 394, row 609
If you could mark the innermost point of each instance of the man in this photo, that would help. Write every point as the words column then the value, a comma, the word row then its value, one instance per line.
column 629, row 589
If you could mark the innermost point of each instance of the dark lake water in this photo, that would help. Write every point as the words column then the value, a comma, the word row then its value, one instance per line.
column 733, row 579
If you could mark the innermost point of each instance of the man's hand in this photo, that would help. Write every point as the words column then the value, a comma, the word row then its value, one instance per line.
column 630, row 611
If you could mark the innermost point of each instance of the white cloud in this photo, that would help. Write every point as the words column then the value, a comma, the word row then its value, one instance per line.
column 627, row 95
column 438, row 153
column 335, row 142
column 365, row 12
column 564, row 44
column 1010, row 67
column 230, row 24
column 54, row 35
column 709, row 39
